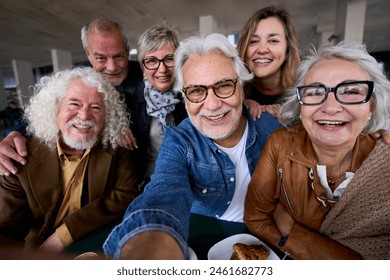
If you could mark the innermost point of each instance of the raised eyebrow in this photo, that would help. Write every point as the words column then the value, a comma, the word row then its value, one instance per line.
column 321, row 84
column 274, row 35
column 316, row 84
column 99, row 54
column 167, row 56
column 150, row 57
column 190, row 85
column 222, row 80
column 72, row 99
column 118, row 54
column 105, row 56
column 349, row 81
column 101, row 105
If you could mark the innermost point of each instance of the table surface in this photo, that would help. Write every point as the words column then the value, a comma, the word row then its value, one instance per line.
column 204, row 232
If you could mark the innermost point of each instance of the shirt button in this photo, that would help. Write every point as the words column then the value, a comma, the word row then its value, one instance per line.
column 231, row 179
column 204, row 191
column 216, row 216
column 228, row 202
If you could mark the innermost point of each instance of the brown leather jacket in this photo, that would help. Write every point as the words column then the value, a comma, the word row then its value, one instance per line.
column 29, row 200
column 286, row 174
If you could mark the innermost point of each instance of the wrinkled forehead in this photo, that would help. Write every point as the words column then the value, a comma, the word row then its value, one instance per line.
column 331, row 71
column 208, row 69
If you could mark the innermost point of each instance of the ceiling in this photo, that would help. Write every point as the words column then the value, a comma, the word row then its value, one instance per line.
column 29, row 29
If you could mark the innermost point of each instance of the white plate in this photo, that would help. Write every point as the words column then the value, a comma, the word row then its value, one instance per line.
column 223, row 250
column 192, row 254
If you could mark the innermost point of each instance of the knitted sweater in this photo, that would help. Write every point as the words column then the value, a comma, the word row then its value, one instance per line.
column 361, row 219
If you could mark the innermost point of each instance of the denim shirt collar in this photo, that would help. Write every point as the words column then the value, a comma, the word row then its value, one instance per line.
column 252, row 131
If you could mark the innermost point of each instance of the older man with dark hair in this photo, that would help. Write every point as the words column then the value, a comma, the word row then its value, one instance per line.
column 77, row 179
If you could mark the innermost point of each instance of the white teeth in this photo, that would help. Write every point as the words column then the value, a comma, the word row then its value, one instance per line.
column 80, row 126
column 329, row 123
column 262, row 61
column 215, row 118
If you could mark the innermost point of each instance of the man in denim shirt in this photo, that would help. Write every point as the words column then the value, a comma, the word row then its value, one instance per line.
column 205, row 164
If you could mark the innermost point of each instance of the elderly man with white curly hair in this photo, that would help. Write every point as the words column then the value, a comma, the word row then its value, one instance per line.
column 77, row 179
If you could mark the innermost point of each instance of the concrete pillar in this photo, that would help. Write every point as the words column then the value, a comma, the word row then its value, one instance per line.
column 326, row 31
column 61, row 59
column 24, row 79
column 350, row 20
column 207, row 25
column 3, row 96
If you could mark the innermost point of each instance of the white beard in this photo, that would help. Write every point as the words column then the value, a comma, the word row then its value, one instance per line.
column 79, row 145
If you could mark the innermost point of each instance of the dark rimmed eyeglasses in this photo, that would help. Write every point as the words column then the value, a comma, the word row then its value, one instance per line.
column 222, row 89
column 152, row 63
column 348, row 93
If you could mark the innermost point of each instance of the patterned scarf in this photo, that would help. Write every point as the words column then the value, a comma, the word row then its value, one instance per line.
column 160, row 105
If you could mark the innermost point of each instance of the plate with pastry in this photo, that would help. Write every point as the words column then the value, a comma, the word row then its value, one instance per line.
column 241, row 247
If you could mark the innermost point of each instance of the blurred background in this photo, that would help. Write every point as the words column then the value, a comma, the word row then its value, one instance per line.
column 41, row 35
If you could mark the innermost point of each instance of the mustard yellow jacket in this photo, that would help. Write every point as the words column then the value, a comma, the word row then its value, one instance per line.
column 286, row 174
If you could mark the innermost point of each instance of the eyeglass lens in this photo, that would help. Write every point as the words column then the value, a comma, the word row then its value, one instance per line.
column 153, row 63
column 346, row 93
column 222, row 89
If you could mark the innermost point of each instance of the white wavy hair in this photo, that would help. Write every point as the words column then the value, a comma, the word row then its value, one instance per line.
column 355, row 53
column 41, row 112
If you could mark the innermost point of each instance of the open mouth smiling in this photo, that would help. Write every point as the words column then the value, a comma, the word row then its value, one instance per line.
column 82, row 127
column 215, row 118
column 163, row 78
column 331, row 123
column 262, row 61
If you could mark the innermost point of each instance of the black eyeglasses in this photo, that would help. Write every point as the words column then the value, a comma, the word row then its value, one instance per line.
column 222, row 89
column 152, row 63
column 356, row 92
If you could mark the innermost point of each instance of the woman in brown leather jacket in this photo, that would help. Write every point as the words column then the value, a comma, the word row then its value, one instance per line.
column 320, row 164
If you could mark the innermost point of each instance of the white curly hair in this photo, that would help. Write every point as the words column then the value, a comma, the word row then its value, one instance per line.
column 41, row 112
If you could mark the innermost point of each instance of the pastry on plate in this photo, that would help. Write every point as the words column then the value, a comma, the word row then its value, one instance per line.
column 243, row 251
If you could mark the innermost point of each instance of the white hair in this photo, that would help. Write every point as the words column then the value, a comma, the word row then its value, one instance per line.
column 41, row 112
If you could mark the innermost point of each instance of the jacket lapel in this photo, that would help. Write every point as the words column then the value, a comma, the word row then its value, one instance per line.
column 44, row 177
column 98, row 172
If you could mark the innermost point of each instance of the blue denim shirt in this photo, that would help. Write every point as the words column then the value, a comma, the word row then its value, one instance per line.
column 191, row 175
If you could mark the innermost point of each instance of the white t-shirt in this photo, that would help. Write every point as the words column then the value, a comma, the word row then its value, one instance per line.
column 235, row 211
column 337, row 193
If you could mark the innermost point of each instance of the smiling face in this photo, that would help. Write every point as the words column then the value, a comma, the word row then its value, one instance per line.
column 216, row 118
column 80, row 116
column 267, row 49
column 332, row 124
column 161, row 78
column 107, row 54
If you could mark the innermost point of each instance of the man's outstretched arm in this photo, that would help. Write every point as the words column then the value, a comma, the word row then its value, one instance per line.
column 152, row 245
